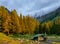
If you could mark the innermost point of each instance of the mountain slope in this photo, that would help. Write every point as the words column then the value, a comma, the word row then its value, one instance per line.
column 49, row 16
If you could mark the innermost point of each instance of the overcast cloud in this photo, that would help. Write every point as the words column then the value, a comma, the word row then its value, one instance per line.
column 31, row 6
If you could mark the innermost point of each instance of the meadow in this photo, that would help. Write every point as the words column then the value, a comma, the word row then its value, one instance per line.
column 24, row 40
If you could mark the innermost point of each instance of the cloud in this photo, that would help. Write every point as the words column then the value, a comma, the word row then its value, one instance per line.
column 45, row 8
column 31, row 6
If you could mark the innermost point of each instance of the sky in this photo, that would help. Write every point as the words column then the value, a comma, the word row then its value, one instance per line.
column 31, row 6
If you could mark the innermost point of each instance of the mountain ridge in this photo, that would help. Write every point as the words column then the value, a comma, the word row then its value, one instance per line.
column 49, row 16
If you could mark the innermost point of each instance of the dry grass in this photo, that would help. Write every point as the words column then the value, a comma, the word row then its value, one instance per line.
column 7, row 40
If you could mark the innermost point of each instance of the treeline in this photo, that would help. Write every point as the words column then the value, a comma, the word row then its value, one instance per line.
column 51, row 27
column 11, row 23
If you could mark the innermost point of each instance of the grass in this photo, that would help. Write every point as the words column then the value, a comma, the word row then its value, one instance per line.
column 25, row 36
column 29, row 36
column 18, row 39
column 54, row 38
column 55, row 42
column 7, row 40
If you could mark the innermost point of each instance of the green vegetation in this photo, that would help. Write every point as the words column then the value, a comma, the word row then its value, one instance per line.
column 8, row 40
column 55, row 42
column 25, row 27
column 11, row 23
column 25, row 36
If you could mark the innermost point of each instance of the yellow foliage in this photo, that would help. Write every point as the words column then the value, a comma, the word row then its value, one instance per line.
column 12, row 23
column 6, row 39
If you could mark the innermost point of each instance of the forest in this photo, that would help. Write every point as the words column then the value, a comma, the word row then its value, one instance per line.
column 12, row 23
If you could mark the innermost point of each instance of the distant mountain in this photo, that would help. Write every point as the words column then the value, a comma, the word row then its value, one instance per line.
column 49, row 16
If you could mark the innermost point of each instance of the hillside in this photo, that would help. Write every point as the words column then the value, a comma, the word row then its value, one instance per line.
column 49, row 16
